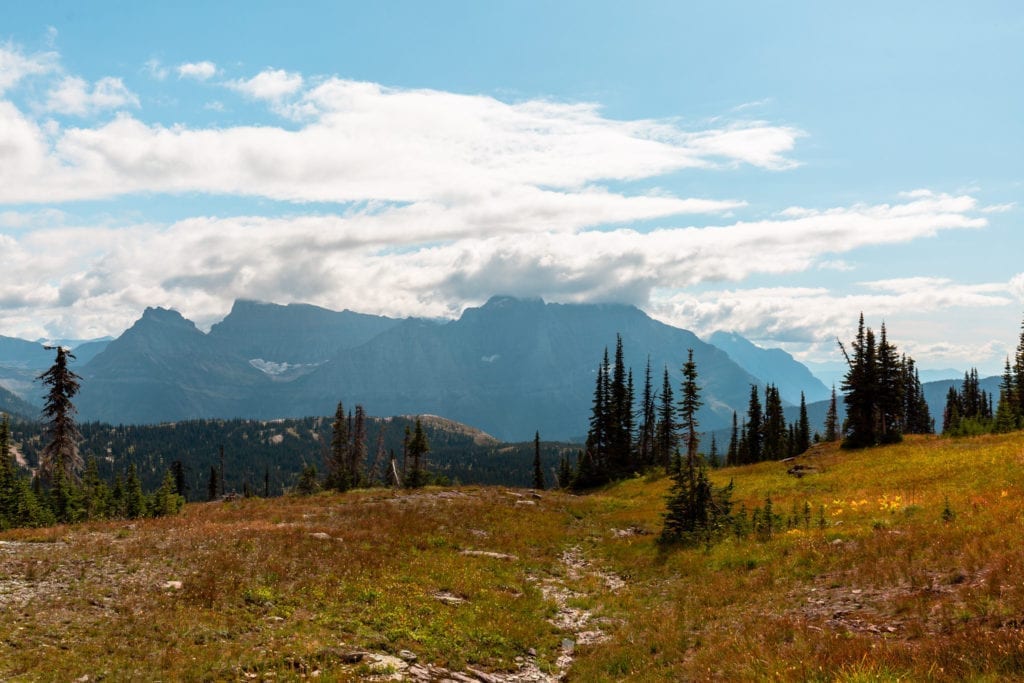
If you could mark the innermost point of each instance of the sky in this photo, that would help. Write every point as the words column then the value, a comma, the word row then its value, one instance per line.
column 772, row 169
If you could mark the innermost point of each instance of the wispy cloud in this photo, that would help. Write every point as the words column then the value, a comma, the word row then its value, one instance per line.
column 200, row 71
column 430, row 259
column 16, row 65
column 156, row 69
column 271, row 84
column 73, row 95
column 367, row 142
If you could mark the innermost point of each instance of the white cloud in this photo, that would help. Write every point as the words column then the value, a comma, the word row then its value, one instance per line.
column 15, row 65
column 836, row 264
column 999, row 208
column 811, row 319
column 198, row 70
column 428, row 258
column 1017, row 286
column 271, row 84
column 156, row 69
column 368, row 143
column 73, row 96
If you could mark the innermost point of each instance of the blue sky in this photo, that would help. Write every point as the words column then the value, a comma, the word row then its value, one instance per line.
column 768, row 168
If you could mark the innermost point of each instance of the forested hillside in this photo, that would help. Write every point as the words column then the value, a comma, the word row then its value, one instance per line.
column 258, row 453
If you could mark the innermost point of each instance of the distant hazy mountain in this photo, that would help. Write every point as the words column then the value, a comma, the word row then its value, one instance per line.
column 514, row 366
column 510, row 367
column 296, row 334
column 21, row 361
column 772, row 366
column 163, row 368
column 15, row 407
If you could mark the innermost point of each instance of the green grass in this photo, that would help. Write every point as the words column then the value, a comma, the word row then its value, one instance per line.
column 886, row 590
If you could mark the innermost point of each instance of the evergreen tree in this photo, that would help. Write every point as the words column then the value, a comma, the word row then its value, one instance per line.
column 689, row 404
column 538, row 472
column 308, row 483
column 773, row 443
column 418, row 449
column 732, row 456
column 338, row 461
column 951, row 413
column 61, row 451
column 357, row 448
column 890, row 391
column 1018, row 371
column 803, row 429
column 861, row 387
column 1006, row 419
column 713, row 457
column 134, row 500
column 666, row 427
column 564, row 473
column 618, row 417
column 696, row 512
column 598, row 436
column 213, row 484
column 165, row 500
column 752, row 441
column 180, row 481
column 832, row 419
column 645, row 439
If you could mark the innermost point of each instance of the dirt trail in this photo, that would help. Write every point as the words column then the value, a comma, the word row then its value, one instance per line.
column 578, row 625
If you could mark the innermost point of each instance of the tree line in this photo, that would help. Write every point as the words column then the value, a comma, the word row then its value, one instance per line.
column 969, row 410
column 64, row 488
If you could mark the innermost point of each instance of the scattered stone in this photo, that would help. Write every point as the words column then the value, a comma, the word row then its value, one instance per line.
column 488, row 553
column 407, row 656
column 172, row 585
column 630, row 531
column 568, row 644
column 448, row 598
column 526, row 502
column 321, row 535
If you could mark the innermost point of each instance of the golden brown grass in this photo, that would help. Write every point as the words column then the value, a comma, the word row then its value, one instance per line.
column 284, row 587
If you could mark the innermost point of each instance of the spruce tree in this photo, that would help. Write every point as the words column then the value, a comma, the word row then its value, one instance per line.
column 732, row 456
column 357, row 448
column 597, row 436
column 619, row 416
column 61, row 450
column 134, row 499
column 538, row 472
column 212, row 485
column 861, row 387
column 418, row 449
column 1006, row 419
column 890, row 391
column 832, row 419
column 753, row 434
column 666, row 427
column 338, row 463
column 689, row 404
column 1018, row 370
column 803, row 429
column 645, row 439
column 773, row 443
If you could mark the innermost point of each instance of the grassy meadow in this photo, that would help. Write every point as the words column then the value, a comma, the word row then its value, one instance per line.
column 897, row 563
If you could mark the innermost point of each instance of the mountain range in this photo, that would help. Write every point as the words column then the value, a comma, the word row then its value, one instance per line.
column 510, row 367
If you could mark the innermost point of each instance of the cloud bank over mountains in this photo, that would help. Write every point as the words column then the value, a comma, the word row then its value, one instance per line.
column 405, row 201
